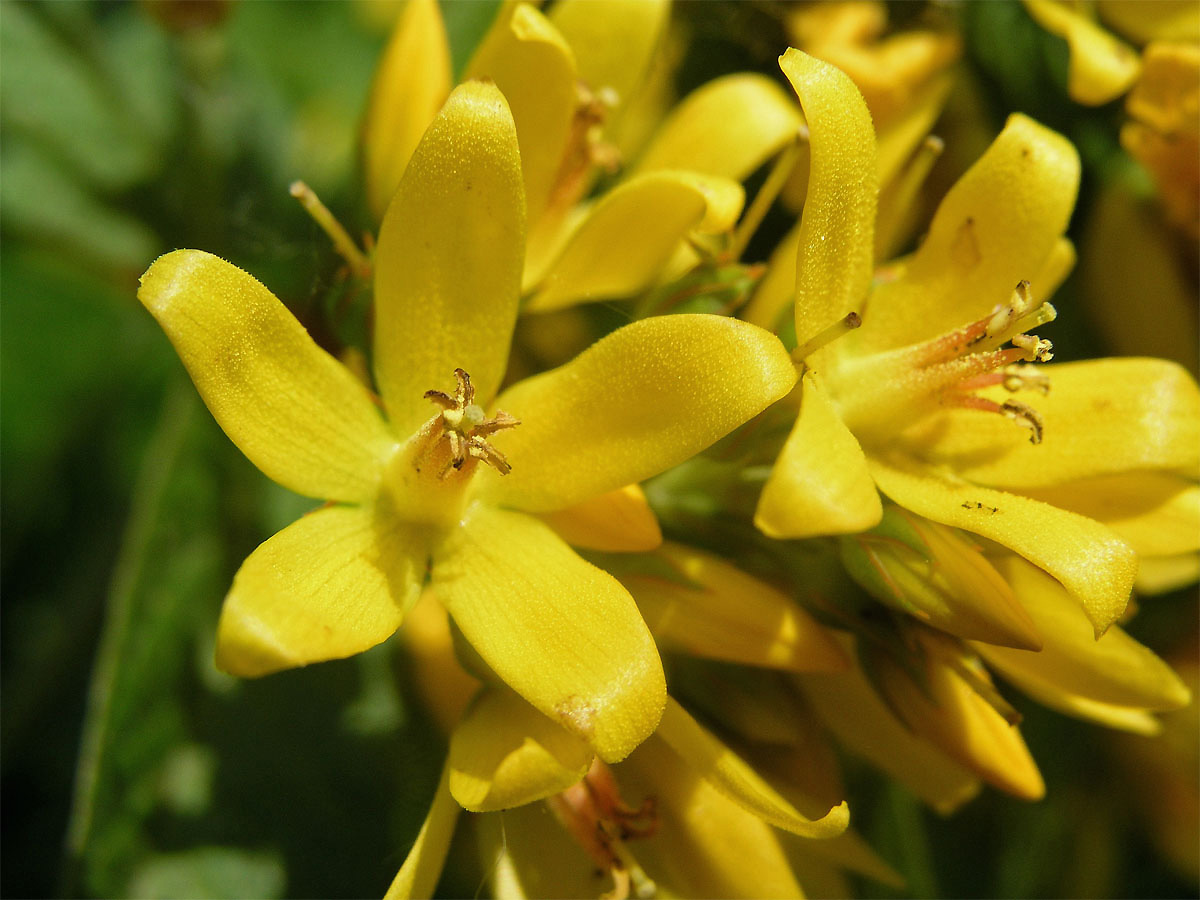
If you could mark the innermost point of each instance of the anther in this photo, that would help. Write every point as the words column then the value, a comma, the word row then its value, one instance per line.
column 465, row 426
column 1026, row 416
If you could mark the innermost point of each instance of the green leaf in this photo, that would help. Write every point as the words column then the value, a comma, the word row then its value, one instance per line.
column 163, row 586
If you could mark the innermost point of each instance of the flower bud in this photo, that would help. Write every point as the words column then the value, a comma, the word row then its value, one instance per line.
column 936, row 575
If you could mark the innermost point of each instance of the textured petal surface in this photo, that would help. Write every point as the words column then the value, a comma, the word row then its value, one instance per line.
column 731, row 776
column 837, row 227
column 620, row 521
column 728, row 127
column 412, row 82
column 563, row 634
column 996, row 226
column 820, row 483
column 731, row 616
column 1101, row 68
column 332, row 584
column 1114, row 670
column 1157, row 513
column 535, row 70
column 423, row 866
column 1090, row 561
column 504, row 753
column 293, row 409
column 448, row 263
column 1101, row 417
column 623, row 243
column 641, row 400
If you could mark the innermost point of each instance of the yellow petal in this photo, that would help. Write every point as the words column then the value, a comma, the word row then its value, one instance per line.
column 945, row 709
column 448, row 263
column 729, row 774
column 1114, row 670
column 535, row 70
column 1158, row 575
column 820, row 483
column 423, row 866
column 623, row 243
column 505, row 753
column 707, row 844
column 731, row 616
column 560, row 632
column 614, row 40
column 620, row 521
column 411, row 83
column 1101, row 68
column 643, row 399
column 728, row 127
column 836, row 250
column 1101, row 417
column 295, row 411
column 867, row 728
column 1142, row 22
column 332, row 584
column 1157, row 513
column 1095, row 565
column 996, row 226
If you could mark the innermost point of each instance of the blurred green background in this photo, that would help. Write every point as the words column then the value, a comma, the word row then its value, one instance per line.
column 130, row 766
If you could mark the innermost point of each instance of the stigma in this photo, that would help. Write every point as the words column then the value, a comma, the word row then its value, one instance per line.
column 462, row 429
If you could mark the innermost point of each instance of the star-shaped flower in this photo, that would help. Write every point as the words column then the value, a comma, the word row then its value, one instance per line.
column 901, row 404
column 409, row 498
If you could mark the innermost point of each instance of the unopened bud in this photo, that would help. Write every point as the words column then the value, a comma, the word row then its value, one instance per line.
column 956, row 708
column 936, row 575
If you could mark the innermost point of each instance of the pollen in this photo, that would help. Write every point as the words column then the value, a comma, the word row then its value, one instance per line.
column 464, row 426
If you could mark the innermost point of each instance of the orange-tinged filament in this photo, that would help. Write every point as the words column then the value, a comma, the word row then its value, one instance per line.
column 601, row 822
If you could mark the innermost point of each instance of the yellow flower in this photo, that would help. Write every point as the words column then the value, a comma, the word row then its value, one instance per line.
column 901, row 405
column 569, row 75
column 683, row 812
column 438, row 484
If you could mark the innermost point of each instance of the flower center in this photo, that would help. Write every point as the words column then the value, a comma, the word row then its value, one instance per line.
column 426, row 479
column 460, row 432
column 892, row 390
column 594, row 814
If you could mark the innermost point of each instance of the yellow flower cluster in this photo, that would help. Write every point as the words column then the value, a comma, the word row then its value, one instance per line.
column 876, row 493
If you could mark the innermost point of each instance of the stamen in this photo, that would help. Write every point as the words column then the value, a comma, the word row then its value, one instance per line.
column 594, row 814
column 464, row 425
column 778, row 177
column 1036, row 349
column 842, row 326
column 1023, row 415
column 342, row 242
